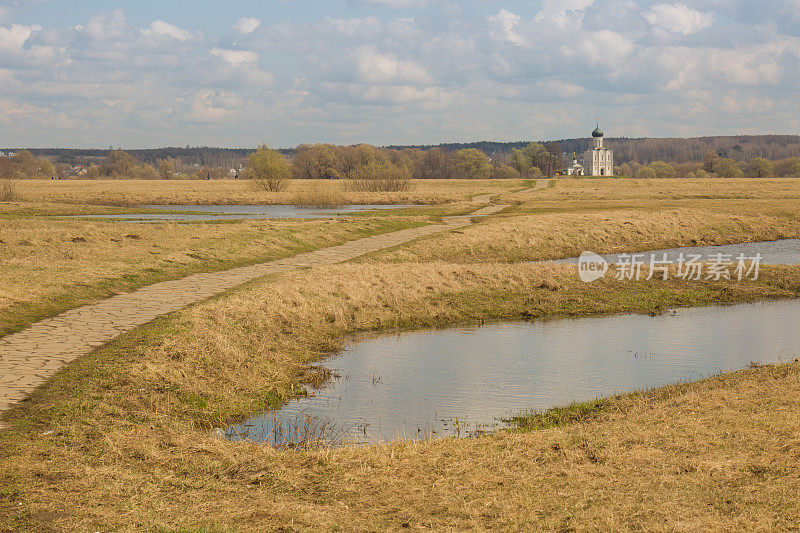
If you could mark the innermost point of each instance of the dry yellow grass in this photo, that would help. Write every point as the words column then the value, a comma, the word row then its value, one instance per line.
column 533, row 237
column 174, row 192
column 744, row 196
column 119, row 440
column 48, row 266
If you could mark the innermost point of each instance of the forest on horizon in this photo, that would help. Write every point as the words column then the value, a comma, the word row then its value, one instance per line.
column 626, row 150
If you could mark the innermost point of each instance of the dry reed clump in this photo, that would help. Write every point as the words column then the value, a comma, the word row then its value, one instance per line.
column 270, row 184
column 140, row 411
column 559, row 235
column 379, row 176
column 316, row 194
column 8, row 190
column 380, row 184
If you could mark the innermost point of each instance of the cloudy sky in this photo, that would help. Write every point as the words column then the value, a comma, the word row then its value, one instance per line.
column 150, row 73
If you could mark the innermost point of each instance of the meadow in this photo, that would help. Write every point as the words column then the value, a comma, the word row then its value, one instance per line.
column 614, row 216
column 120, row 439
column 48, row 266
column 127, row 430
column 128, row 193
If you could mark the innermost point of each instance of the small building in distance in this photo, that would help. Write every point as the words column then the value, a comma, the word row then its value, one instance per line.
column 576, row 169
column 598, row 160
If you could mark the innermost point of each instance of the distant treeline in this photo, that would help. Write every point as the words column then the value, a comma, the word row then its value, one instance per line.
column 647, row 150
column 754, row 155
column 188, row 156
column 626, row 150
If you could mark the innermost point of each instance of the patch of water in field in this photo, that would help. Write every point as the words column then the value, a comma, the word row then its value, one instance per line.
column 781, row 252
column 241, row 212
column 459, row 381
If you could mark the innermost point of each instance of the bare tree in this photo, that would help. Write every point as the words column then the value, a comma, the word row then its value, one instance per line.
column 7, row 186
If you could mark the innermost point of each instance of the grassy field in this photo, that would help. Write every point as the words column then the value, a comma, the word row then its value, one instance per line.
column 120, row 439
column 176, row 192
column 529, row 237
column 745, row 196
column 48, row 266
column 608, row 216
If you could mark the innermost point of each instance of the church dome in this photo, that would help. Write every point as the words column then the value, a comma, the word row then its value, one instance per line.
column 597, row 132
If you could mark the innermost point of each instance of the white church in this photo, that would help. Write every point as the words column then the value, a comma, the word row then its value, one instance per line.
column 597, row 160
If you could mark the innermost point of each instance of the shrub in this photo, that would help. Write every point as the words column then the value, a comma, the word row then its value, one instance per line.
column 760, row 168
column 663, row 170
column 8, row 190
column 315, row 194
column 7, row 185
column 646, row 173
column 472, row 163
column 269, row 170
column 504, row 171
column 376, row 176
column 727, row 168
column 789, row 168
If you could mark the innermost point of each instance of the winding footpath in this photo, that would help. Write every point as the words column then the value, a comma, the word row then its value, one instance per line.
column 32, row 356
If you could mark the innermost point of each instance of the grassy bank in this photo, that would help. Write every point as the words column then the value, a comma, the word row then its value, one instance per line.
column 742, row 196
column 172, row 192
column 48, row 267
column 618, row 215
column 534, row 237
column 119, row 440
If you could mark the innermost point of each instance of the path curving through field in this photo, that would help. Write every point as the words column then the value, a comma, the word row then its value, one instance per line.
column 30, row 357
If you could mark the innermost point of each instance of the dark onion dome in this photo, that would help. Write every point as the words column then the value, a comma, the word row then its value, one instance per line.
column 597, row 132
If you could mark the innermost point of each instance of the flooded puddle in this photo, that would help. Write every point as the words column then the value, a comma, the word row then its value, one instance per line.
column 241, row 212
column 461, row 381
column 782, row 252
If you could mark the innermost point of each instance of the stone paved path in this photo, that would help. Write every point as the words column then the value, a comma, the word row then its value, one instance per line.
column 30, row 357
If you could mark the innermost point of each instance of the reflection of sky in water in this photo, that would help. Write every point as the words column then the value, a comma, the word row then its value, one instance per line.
column 238, row 212
column 783, row 252
column 418, row 383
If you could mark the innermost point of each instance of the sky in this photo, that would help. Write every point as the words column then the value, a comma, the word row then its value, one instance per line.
column 145, row 73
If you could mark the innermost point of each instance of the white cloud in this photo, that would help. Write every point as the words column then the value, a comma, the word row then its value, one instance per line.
column 212, row 106
column 792, row 7
column 601, row 48
column 14, row 37
column 235, row 57
column 246, row 25
column 403, row 94
column 396, row 3
column 106, row 26
column 521, row 74
column 159, row 28
column 678, row 18
column 385, row 69
column 710, row 67
column 735, row 103
column 563, row 14
column 504, row 27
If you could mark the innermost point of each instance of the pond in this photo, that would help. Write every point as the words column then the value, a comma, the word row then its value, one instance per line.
column 241, row 212
column 460, row 381
column 781, row 252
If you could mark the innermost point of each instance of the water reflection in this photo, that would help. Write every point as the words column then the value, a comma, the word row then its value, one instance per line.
column 782, row 252
column 460, row 381
column 241, row 212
